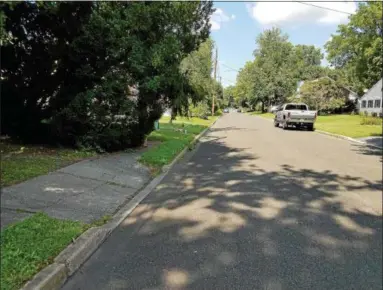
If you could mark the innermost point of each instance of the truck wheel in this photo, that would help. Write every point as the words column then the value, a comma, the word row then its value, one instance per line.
column 310, row 127
column 276, row 124
column 284, row 126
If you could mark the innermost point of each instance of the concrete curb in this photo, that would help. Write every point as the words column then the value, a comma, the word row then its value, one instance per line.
column 73, row 256
column 346, row 138
column 334, row 135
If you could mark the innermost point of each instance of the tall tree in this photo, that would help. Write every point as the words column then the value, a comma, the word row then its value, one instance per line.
column 39, row 39
column 306, row 62
column 357, row 46
column 275, row 58
column 73, row 65
column 323, row 94
column 197, row 67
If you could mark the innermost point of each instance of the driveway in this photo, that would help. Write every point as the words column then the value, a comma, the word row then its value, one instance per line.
column 254, row 207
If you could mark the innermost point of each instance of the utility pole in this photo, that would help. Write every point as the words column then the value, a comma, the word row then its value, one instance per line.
column 215, row 76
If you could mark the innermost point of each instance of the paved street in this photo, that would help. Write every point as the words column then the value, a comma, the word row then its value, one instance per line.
column 254, row 207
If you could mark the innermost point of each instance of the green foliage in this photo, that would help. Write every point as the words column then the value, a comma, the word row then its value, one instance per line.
column 272, row 77
column 365, row 120
column 30, row 245
column 323, row 95
column 35, row 61
column 68, row 74
column 200, row 110
column 356, row 48
column 197, row 66
column 218, row 113
column 229, row 94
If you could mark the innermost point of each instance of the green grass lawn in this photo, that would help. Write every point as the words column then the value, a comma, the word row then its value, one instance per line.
column 22, row 162
column 265, row 115
column 174, row 138
column 30, row 245
column 347, row 125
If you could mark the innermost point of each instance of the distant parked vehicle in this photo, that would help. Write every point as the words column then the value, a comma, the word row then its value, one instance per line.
column 226, row 110
column 297, row 115
column 239, row 111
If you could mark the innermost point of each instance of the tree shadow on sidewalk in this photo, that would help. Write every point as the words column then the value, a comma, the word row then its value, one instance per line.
column 221, row 222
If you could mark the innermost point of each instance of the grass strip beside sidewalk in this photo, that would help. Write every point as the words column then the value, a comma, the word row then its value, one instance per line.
column 174, row 138
column 30, row 245
column 22, row 162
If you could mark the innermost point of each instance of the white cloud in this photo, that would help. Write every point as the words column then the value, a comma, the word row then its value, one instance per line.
column 285, row 12
column 218, row 17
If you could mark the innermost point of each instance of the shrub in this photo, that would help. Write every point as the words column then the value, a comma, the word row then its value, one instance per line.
column 200, row 110
column 105, row 118
column 218, row 112
column 370, row 121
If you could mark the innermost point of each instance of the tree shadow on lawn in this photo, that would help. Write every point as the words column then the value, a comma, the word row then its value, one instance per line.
column 218, row 221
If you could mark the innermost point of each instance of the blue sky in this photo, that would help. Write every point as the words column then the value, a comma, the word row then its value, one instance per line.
column 235, row 26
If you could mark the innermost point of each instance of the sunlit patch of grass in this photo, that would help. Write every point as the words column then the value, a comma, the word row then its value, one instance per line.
column 30, row 245
column 174, row 138
column 265, row 115
column 347, row 125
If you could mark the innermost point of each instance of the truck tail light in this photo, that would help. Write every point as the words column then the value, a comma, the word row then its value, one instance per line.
column 288, row 115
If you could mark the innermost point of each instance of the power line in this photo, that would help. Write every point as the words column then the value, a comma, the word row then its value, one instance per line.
column 326, row 8
column 229, row 67
column 233, row 82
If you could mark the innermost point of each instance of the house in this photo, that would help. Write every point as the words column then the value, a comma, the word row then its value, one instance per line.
column 351, row 95
column 371, row 102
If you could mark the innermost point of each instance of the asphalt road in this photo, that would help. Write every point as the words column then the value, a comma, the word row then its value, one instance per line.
column 254, row 207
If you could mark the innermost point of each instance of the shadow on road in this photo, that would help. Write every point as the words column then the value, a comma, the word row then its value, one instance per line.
column 368, row 150
column 226, row 129
column 224, row 223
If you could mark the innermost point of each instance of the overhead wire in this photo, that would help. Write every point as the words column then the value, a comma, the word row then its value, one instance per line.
column 321, row 7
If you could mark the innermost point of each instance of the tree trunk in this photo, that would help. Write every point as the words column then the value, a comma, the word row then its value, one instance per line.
column 172, row 115
column 263, row 106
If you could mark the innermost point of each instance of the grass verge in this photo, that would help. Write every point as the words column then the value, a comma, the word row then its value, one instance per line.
column 347, row 125
column 174, row 138
column 30, row 245
column 265, row 115
column 22, row 162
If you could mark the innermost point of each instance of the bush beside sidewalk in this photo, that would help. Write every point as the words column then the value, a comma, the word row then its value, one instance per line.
column 29, row 245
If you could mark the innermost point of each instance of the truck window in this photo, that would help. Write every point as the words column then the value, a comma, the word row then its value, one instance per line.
column 296, row 107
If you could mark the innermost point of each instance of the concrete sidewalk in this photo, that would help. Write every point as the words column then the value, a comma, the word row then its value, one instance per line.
column 84, row 191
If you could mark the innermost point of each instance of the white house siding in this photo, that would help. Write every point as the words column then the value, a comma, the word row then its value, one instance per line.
column 374, row 95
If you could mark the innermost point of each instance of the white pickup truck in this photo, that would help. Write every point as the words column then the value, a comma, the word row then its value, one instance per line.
column 295, row 114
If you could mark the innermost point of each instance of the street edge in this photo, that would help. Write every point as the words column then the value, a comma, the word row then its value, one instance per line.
column 333, row 135
column 346, row 138
column 73, row 256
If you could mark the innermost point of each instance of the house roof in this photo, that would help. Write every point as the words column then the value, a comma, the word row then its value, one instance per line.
column 379, row 82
